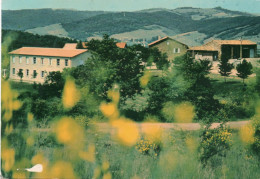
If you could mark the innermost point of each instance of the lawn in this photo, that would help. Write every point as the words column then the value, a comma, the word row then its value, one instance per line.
column 173, row 155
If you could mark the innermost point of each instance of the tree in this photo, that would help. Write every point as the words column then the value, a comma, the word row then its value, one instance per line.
column 244, row 69
column 52, row 87
column 160, row 59
column 198, row 89
column 79, row 45
column 109, row 65
column 20, row 74
column 225, row 67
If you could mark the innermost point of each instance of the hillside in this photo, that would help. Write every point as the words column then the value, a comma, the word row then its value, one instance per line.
column 192, row 26
column 32, row 18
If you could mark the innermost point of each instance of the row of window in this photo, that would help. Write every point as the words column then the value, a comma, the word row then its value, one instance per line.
column 42, row 61
column 27, row 72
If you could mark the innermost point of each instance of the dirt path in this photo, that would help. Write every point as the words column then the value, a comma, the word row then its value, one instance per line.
column 105, row 127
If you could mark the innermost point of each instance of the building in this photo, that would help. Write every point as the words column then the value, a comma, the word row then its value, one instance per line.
column 36, row 62
column 121, row 45
column 171, row 47
column 231, row 49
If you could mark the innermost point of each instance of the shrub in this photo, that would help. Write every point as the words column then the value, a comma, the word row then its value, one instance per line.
column 149, row 147
column 256, row 142
column 214, row 143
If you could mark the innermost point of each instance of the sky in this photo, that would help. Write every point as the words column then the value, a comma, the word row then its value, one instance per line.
column 252, row 6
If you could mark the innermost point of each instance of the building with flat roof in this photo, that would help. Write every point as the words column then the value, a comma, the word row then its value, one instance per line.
column 35, row 63
column 230, row 49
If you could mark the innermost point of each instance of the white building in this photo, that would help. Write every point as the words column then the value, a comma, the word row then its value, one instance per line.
column 36, row 62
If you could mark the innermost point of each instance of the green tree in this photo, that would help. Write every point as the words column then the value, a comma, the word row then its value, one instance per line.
column 244, row 69
column 225, row 67
column 160, row 59
column 79, row 45
column 198, row 89
column 20, row 74
column 109, row 65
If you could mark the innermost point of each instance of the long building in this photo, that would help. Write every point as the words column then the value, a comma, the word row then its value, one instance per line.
column 35, row 63
column 230, row 49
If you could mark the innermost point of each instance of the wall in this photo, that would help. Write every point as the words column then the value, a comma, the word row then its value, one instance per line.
column 168, row 45
column 39, row 67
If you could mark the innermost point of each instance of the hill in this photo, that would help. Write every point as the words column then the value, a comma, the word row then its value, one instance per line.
column 192, row 26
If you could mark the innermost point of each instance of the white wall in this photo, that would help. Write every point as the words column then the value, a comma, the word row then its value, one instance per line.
column 39, row 67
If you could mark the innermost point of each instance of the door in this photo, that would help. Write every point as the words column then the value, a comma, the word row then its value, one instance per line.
column 252, row 53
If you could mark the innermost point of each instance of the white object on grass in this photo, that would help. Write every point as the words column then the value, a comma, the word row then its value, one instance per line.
column 35, row 168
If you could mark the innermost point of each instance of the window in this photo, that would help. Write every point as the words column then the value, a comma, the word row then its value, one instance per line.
column 42, row 61
column 34, row 74
column 176, row 50
column 58, row 62
column 13, row 59
column 66, row 62
column 13, row 71
column 34, row 60
column 50, row 61
column 27, row 60
column 20, row 59
column 27, row 72
column 42, row 74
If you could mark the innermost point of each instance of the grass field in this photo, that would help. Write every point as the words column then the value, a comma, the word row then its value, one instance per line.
column 176, row 157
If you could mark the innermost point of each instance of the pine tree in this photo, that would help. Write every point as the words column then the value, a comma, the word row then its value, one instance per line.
column 225, row 67
column 244, row 69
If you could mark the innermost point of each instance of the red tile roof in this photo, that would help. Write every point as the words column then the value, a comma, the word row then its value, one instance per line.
column 51, row 52
column 70, row 46
column 121, row 44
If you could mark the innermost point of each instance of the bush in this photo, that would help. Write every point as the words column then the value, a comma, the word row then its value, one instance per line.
column 256, row 144
column 214, row 144
column 149, row 147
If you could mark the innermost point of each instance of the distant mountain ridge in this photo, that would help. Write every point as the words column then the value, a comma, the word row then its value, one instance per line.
column 192, row 26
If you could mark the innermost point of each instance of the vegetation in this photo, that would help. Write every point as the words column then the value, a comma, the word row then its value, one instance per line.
column 57, row 124
column 225, row 68
column 244, row 69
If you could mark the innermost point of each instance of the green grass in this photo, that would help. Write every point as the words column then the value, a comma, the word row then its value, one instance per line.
column 175, row 160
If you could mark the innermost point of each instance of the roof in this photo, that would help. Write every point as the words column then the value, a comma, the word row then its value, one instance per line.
column 162, row 39
column 70, row 46
column 234, row 42
column 157, row 41
column 203, row 48
column 84, row 45
column 52, row 52
column 121, row 44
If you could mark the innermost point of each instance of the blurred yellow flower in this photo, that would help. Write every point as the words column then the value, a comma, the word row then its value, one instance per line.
column 105, row 166
column 8, row 101
column 70, row 95
column 109, row 110
column 89, row 155
column 247, row 134
column 126, row 131
column 184, row 112
column 62, row 169
column 68, row 131
column 145, row 79
column 8, row 158
column 107, row 176
column 30, row 117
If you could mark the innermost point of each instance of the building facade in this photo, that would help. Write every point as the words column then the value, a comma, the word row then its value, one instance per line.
column 171, row 47
column 230, row 49
column 34, row 63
